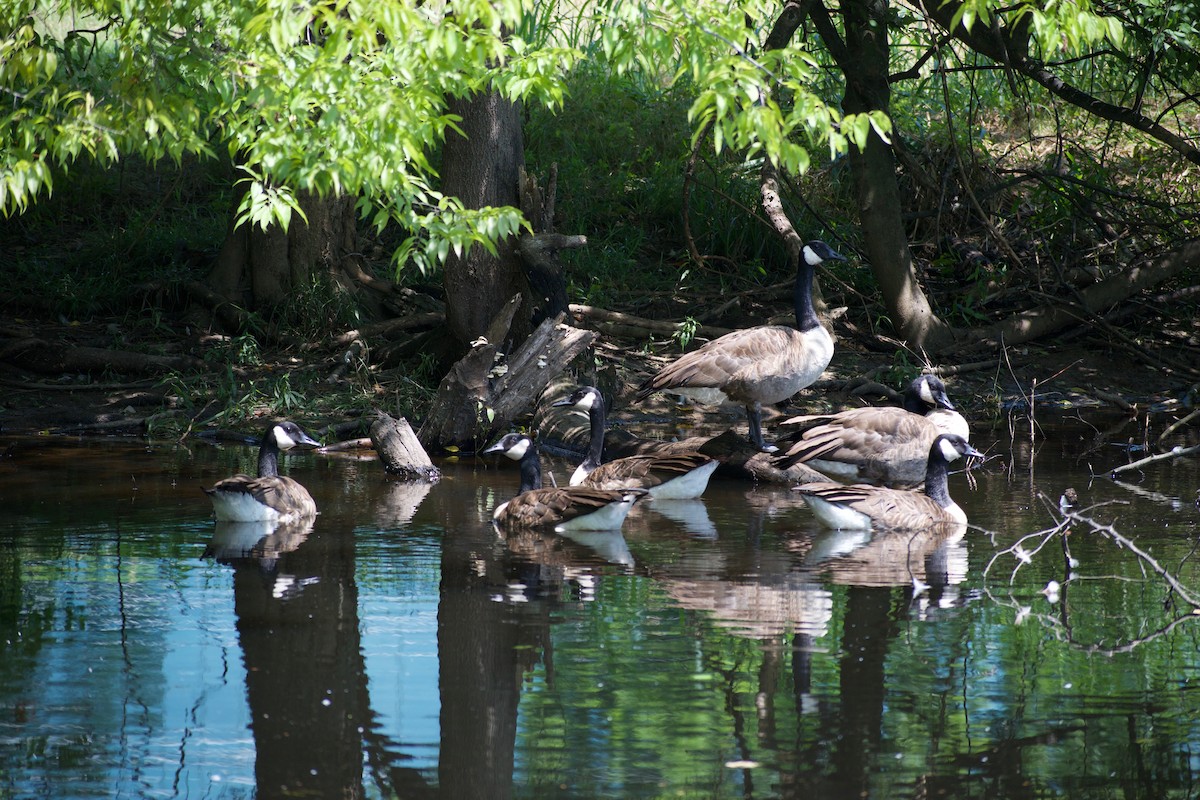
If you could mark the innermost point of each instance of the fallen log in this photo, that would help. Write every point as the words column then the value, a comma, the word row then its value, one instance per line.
column 48, row 358
column 485, row 392
column 399, row 450
column 1026, row 326
column 632, row 326
column 1175, row 452
column 386, row 329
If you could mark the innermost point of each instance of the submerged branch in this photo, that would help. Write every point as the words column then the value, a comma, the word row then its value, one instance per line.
column 1175, row 452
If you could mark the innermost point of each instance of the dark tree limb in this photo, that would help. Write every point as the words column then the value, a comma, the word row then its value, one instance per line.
column 1009, row 45
column 1035, row 323
column 47, row 358
column 637, row 327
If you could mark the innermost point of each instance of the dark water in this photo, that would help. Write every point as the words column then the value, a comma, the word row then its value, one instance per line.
column 724, row 648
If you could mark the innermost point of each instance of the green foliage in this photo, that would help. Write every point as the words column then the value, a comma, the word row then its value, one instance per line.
column 1056, row 25
column 685, row 332
column 325, row 98
column 336, row 98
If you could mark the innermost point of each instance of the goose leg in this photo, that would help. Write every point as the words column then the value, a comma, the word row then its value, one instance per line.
column 754, row 413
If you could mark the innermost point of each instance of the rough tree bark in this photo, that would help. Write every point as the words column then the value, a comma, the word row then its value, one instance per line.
column 483, row 168
column 863, row 58
column 260, row 269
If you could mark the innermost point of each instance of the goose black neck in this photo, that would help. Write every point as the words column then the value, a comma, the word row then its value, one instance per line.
column 268, row 456
column 596, row 417
column 914, row 404
column 936, row 474
column 531, row 470
column 806, row 315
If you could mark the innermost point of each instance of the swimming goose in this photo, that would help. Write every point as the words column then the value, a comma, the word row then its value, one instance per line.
column 573, row 508
column 753, row 366
column 865, row 507
column 270, row 496
column 880, row 444
column 673, row 476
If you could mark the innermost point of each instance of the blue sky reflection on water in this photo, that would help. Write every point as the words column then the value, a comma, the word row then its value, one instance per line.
column 730, row 649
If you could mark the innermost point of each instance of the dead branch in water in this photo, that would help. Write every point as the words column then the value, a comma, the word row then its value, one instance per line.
column 1175, row 452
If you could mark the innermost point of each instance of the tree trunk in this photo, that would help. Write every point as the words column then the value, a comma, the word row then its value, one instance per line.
column 261, row 270
column 483, row 169
column 863, row 58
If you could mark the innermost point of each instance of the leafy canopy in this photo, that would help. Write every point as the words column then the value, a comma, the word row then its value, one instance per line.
column 349, row 96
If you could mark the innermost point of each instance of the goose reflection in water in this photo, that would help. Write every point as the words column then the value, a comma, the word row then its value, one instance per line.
column 932, row 560
column 260, row 543
column 548, row 564
column 692, row 515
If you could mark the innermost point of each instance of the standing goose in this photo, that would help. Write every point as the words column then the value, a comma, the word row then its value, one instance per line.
column 880, row 444
column 574, row 508
column 753, row 366
column 270, row 496
column 864, row 507
column 672, row 476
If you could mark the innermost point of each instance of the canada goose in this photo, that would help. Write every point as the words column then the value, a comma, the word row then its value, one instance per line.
column 672, row 476
column 885, row 444
column 270, row 496
column 864, row 507
column 573, row 508
column 753, row 366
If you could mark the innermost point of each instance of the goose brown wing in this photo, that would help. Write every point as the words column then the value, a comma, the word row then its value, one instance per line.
column 554, row 506
column 644, row 471
column 890, row 508
column 281, row 493
column 861, row 436
column 719, row 361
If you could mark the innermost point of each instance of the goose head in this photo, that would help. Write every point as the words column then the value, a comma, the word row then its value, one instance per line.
column 949, row 447
column 287, row 435
column 585, row 398
column 511, row 445
column 925, row 393
column 816, row 252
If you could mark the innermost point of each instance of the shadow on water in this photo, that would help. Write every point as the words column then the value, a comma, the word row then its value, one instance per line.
column 727, row 647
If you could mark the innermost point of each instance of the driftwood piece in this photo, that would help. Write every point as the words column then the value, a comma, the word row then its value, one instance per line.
column 400, row 451
column 484, row 393
column 48, row 358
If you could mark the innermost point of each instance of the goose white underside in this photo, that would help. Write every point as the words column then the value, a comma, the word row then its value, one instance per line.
column 609, row 518
column 242, row 507
column 838, row 516
column 685, row 487
column 580, row 475
column 844, row 518
column 700, row 395
column 950, row 422
column 835, row 469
